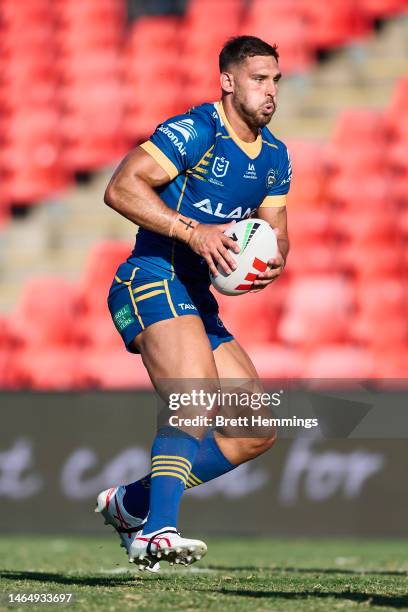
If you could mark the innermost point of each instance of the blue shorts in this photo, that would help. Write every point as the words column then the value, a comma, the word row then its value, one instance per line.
column 138, row 298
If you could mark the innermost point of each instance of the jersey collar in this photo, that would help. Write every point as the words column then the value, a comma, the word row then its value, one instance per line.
column 252, row 149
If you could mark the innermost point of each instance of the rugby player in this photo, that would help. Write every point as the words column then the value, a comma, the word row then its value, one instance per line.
column 197, row 174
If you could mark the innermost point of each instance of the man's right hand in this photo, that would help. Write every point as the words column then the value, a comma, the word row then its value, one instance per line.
column 210, row 242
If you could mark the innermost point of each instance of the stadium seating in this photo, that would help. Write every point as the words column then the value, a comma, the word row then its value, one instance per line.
column 336, row 361
column 111, row 369
column 44, row 315
column 52, row 369
column 77, row 52
column 376, row 9
column 100, row 268
column 333, row 24
column 275, row 361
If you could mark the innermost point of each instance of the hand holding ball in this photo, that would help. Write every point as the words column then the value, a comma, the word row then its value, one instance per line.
column 258, row 243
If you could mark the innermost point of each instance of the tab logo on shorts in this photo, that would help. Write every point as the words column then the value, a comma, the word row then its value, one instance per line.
column 220, row 167
column 187, row 306
column 123, row 318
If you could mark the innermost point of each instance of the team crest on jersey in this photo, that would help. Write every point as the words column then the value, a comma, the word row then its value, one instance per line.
column 220, row 167
column 271, row 177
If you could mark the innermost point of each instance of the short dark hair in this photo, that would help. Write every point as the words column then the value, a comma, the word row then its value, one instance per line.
column 238, row 48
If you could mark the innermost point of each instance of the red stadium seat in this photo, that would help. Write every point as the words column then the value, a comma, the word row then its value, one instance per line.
column 349, row 191
column 390, row 365
column 88, row 12
column 28, row 69
column 308, row 190
column 143, row 116
column 318, row 309
column 88, row 38
column 17, row 37
column 7, row 379
column 32, row 125
column 380, row 329
column 398, row 158
column 150, row 72
column 371, row 228
column 97, row 330
column 337, row 361
column 359, row 125
column 114, row 369
column 40, row 95
column 45, row 314
column 388, row 298
column 153, row 34
column 398, row 105
column 382, row 8
column 50, row 369
column 332, row 24
column 306, row 226
column 319, row 257
column 225, row 8
column 275, row 361
column 251, row 317
column 101, row 264
column 296, row 55
column 24, row 13
column 373, row 262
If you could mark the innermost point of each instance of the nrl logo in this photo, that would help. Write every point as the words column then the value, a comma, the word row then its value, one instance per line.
column 220, row 167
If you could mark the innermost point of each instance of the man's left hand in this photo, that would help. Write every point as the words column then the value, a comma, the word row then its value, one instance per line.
column 273, row 271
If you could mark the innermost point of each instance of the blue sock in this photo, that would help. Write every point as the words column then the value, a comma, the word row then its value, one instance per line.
column 173, row 454
column 209, row 464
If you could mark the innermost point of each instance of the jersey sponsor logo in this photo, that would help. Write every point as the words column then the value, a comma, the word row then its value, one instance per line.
column 185, row 127
column 220, row 166
column 271, row 177
column 207, row 207
column 251, row 172
column 187, row 306
column 177, row 143
column 289, row 174
column 123, row 318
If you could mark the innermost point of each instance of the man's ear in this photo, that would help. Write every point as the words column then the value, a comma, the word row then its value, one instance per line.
column 227, row 82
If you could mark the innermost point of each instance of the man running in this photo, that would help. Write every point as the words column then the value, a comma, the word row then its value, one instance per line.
column 198, row 173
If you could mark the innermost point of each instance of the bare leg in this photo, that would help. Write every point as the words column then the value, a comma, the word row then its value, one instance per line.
column 177, row 355
column 233, row 362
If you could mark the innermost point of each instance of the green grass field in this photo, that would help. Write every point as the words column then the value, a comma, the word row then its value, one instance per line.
column 237, row 574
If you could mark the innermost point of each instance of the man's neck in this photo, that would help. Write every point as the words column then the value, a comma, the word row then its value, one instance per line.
column 238, row 124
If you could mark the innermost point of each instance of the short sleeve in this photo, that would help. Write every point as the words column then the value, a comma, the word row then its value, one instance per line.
column 180, row 142
column 279, row 181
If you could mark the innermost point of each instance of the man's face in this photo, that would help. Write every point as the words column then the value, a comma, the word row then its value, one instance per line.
column 254, row 88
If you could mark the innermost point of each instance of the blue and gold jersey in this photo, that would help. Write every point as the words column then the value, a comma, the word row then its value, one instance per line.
column 215, row 177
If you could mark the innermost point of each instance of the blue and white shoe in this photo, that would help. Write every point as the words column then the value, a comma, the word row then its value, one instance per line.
column 109, row 503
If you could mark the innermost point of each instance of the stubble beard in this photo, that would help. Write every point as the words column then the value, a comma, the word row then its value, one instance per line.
column 254, row 119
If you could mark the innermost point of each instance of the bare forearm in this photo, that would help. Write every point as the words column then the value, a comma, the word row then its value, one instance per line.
column 283, row 245
column 140, row 204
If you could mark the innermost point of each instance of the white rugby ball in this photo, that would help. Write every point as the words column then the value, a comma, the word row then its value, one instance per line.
column 258, row 244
